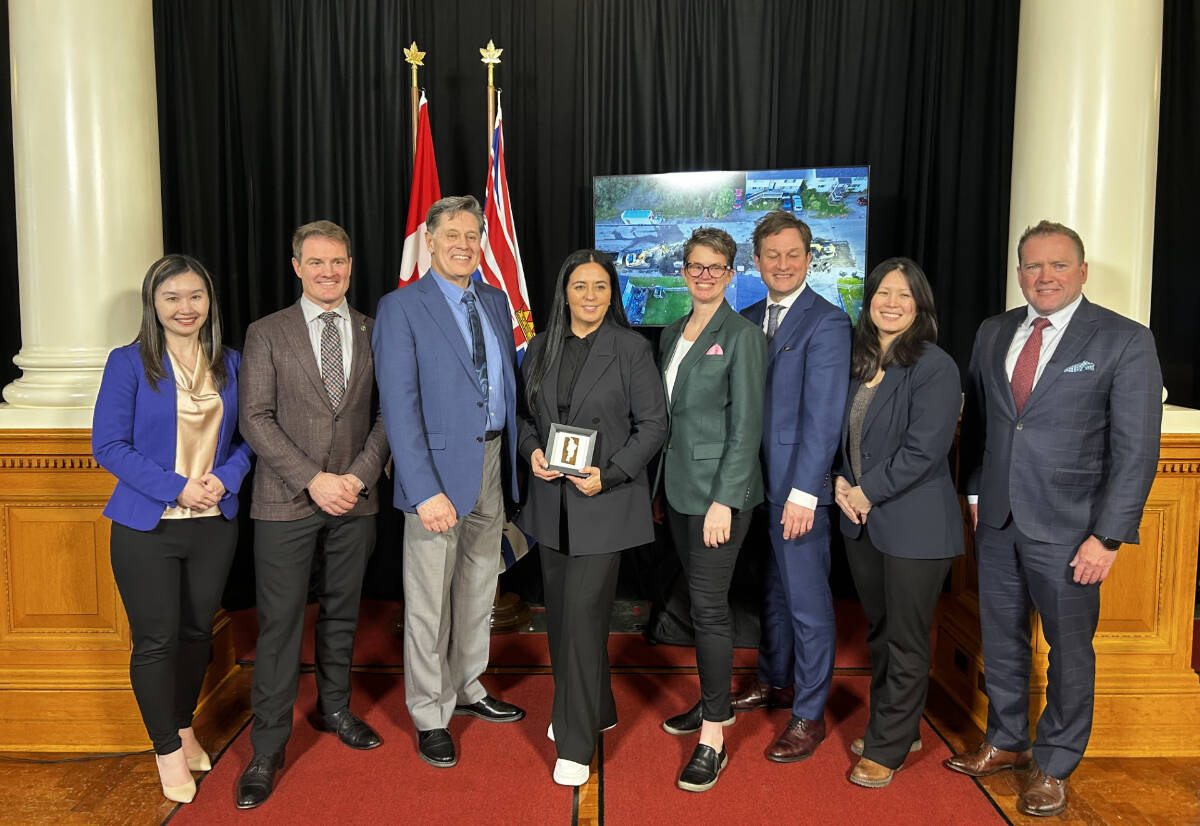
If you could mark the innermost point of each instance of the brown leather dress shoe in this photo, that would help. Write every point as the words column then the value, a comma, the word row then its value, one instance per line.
column 760, row 695
column 798, row 741
column 870, row 774
column 987, row 759
column 1043, row 795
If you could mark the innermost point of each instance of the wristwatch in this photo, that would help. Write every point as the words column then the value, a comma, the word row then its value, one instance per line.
column 1109, row 543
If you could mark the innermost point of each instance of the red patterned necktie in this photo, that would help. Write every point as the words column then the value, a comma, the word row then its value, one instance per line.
column 331, row 358
column 1027, row 362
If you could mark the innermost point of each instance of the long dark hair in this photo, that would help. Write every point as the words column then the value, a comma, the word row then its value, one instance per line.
column 151, row 338
column 866, row 359
column 539, row 360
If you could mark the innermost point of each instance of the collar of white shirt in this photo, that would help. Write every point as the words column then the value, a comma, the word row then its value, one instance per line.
column 311, row 310
column 1059, row 318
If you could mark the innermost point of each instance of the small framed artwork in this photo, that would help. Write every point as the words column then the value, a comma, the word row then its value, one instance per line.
column 569, row 449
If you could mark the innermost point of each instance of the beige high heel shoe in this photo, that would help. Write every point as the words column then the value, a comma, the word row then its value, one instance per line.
column 183, row 793
column 199, row 762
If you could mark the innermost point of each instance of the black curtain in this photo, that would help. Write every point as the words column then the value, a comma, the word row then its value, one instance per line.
column 1175, row 296
column 272, row 114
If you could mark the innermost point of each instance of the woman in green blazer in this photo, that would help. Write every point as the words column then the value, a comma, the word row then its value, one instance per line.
column 714, row 366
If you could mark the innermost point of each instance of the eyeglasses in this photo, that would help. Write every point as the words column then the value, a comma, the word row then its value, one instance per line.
column 714, row 270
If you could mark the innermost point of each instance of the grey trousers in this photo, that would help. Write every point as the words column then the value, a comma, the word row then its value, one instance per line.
column 449, row 588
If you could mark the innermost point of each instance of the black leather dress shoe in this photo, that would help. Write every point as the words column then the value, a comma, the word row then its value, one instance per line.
column 436, row 747
column 257, row 781
column 689, row 722
column 350, row 730
column 492, row 710
column 700, row 774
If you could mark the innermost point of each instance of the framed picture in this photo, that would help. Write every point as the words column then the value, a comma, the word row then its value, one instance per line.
column 569, row 449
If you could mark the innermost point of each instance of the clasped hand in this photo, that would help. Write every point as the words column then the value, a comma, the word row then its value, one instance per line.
column 851, row 500
column 334, row 494
column 201, row 494
column 587, row 485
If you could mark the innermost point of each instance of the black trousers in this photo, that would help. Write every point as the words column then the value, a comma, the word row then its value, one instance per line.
column 709, row 572
column 1017, row 573
column 899, row 597
column 579, row 597
column 336, row 549
column 171, row 578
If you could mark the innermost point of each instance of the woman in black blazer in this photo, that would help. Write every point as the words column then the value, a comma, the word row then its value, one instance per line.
column 588, row 370
column 900, row 514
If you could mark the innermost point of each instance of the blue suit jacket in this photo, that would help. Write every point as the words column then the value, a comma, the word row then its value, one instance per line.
column 433, row 407
column 808, row 369
column 133, row 437
column 907, row 434
column 1082, row 455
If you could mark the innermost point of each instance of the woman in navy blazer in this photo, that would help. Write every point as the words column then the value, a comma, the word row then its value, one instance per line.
column 165, row 425
column 900, row 514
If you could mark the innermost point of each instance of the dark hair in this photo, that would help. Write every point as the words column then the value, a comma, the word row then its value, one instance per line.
column 777, row 221
column 450, row 206
column 866, row 358
column 717, row 240
column 538, row 361
column 1044, row 227
column 321, row 229
column 150, row 336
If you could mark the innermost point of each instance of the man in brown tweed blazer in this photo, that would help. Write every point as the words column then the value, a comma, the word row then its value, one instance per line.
column 310, row 411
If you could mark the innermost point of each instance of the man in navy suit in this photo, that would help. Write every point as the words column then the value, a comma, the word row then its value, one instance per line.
column 446, row 369
column 1059, row 448
column 808, row 370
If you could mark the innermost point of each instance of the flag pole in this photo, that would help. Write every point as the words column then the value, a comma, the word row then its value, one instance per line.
column 490, row 57
column 414, row 57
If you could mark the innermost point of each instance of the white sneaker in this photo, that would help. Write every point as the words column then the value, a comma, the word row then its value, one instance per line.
column 570, row 773
column 550, row 732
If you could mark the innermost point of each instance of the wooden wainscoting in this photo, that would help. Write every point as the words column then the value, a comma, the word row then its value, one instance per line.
column 64, row 637
column 1147, row 695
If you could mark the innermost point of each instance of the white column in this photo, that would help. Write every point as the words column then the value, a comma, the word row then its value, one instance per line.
column 1085, row 138
column 89, row 204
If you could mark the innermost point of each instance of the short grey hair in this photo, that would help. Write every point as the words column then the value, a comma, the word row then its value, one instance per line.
column 450, row 206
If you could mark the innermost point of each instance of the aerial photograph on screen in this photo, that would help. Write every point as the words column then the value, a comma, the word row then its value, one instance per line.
column 642, row 221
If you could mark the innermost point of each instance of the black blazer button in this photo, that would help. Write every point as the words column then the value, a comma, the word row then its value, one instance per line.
column 595, row 420
column 479, row 438
column 479, row 404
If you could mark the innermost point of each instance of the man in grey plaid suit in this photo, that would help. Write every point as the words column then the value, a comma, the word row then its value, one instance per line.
column 1059, row 448
column 310, row 410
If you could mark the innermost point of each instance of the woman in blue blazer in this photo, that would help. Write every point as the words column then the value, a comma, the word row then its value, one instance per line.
column 900, row 514
column 588, row 370
column 165, row 425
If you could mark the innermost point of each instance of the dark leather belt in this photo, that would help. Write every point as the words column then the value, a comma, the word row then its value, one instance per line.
column 491, row 434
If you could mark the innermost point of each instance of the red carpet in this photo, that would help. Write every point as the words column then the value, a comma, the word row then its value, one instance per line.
column 503, row 773
column 642, row 763
column 376, row 645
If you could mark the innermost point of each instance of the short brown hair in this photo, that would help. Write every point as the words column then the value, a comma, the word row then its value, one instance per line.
column 1044, row 227
column 777, row 221
column 324, row 229
column 717, row 240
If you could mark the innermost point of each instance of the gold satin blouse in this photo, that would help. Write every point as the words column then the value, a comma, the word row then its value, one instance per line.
column 198, row 410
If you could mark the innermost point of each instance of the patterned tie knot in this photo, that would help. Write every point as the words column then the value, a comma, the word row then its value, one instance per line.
column 329, row 317
column 1041, row 323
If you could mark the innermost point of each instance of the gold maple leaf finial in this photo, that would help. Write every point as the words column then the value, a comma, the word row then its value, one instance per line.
column 413, row 55
column 490, row 54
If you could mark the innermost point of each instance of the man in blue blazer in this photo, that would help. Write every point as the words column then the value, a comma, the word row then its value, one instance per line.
column 808, row 370
column 446, row 368
column 1059, row 448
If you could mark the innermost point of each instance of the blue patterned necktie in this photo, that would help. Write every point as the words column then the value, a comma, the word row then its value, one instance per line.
column 773, row 320
column 331, row 358
column 478, row 351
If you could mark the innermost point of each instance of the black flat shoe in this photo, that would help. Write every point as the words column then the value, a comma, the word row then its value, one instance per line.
column 492, row 710
column 701, row 772
column 689, row 722
column 257, row 781
column 436, row 747
column 350, row 730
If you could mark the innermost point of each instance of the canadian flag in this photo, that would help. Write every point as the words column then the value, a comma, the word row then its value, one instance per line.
column 425, row 191
column 500, row 264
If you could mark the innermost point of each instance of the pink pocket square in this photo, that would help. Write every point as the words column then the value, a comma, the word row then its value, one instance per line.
column 715, row 350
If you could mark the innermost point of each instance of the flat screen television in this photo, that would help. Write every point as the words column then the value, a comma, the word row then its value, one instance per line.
column 642, row 221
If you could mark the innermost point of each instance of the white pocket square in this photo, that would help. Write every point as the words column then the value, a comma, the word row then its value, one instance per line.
column 1081, row 367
